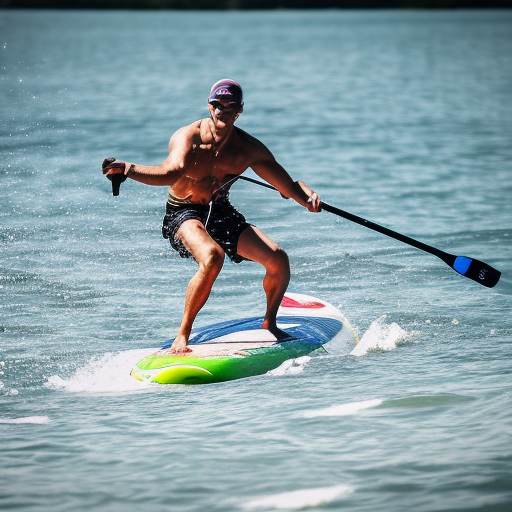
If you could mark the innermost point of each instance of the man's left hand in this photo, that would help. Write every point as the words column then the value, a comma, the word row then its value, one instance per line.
column 314, row 203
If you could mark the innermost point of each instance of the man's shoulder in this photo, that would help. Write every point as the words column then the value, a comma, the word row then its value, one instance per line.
column 244, row 136
column 186, row 133
column 190, row 130
column 249, row 141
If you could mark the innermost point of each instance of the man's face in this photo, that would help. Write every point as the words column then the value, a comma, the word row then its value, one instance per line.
column 224, row 111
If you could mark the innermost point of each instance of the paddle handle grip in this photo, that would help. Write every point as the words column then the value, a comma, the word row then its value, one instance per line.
column 116, row 180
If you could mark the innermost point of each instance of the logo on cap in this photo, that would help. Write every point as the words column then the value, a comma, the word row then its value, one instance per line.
column 227, row 89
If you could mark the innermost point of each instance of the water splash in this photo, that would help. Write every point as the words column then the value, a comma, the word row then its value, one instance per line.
column 291, row 367
column 38, row 420
column 414, row 401
column 379, row 336
column 109, row 373
column 343, row 409
column 297, row 500
column 3, row 389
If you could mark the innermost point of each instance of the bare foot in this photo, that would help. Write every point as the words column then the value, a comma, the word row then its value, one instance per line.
column 279, row 333
column 179, row 345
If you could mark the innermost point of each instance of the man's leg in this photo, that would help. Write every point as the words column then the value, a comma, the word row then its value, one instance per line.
column 210, row 258
column 255, row 245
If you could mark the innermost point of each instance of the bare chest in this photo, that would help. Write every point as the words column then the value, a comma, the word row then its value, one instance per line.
column 206, row 169
column 218, row 160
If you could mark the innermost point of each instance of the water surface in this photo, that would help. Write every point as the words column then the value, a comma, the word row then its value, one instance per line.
column 403, row 118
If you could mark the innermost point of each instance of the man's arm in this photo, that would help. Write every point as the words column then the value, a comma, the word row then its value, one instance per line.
column 272, row 172
column 166, row 173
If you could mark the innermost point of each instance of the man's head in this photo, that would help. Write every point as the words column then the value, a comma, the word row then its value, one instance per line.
column 226, row 95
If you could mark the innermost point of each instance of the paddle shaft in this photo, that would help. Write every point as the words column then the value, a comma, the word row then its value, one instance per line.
column 116, row 180
column 473, row 269
column 447, row 258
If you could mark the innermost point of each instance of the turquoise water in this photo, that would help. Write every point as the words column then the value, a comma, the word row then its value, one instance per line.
column 403, row 118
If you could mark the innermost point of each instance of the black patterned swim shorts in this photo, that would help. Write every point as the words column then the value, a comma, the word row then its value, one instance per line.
column 223, row 223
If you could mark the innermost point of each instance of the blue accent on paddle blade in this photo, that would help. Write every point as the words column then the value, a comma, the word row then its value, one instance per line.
column 461, row 264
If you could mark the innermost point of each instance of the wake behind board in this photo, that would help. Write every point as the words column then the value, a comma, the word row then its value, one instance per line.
column 240, row 348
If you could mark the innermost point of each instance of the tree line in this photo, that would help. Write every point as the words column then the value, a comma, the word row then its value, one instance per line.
column 256, row 4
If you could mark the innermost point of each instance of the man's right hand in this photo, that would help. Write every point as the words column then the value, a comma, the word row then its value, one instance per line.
column 114, row 171
column 110, row 166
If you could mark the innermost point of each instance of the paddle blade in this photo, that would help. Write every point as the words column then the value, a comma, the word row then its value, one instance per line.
column 477, row 271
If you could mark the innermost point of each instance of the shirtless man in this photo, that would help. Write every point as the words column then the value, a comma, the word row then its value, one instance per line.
column 205, row 158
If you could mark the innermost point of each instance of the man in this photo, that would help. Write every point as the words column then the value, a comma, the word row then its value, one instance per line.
column 205, row 158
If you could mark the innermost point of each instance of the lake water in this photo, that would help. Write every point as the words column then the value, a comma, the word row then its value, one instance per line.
column 404, row 118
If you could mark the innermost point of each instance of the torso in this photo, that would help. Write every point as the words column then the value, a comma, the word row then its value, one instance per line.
column 208, row 164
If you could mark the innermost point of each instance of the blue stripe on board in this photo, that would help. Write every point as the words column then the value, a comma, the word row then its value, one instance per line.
column 319, row 329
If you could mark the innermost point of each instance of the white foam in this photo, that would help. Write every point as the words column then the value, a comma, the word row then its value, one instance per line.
column 343, row 409
column 291, row 367
column 379, row 336
column 39, row 420
column 109, row 373
column 300, row 499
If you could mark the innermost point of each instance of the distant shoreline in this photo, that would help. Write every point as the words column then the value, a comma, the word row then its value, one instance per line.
column 255, row 4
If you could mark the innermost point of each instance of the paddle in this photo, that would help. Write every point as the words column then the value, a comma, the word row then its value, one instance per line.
column 468, row 267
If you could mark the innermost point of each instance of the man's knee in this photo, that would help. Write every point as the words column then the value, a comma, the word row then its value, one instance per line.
column 279, row 261
column 212, row 260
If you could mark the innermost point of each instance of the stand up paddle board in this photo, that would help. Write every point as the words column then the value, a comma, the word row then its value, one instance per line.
column 240, row 348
